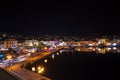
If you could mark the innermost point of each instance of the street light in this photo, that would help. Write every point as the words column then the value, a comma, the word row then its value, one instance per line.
column 33, row 68
column 45, row 60
column 57, row 53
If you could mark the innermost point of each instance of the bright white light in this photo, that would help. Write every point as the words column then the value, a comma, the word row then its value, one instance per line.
column 114, row 44
column 99, row 49
column 61, row 44
column 33, row 68
column 90, row 44
column 60, row 51
column 114, row 48
column 45, row 60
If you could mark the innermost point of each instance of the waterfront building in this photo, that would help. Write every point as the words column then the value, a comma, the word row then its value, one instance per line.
column 10, row 43
column 31, row 43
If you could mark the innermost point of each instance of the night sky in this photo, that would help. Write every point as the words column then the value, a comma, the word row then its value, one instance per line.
column 60, row 17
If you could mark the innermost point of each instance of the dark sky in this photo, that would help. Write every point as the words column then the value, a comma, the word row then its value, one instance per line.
column 60, row 17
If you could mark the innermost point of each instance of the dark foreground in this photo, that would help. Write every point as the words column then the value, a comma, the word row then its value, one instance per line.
column 5, row 75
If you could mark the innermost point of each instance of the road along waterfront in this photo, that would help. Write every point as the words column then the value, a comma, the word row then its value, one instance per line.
column 19, row 70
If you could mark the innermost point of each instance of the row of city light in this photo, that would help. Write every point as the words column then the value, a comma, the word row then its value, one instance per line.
column 41, row 69
column 98, row 50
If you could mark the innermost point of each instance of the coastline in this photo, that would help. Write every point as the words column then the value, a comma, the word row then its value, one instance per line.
column 19, row 69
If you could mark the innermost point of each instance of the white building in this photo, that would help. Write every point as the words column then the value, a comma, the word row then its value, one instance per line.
column 31, row 43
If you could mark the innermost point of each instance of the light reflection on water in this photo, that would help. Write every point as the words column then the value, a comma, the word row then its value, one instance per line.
column 79, row 49
column 38, row 69
column 99, row 50
column 42, row 66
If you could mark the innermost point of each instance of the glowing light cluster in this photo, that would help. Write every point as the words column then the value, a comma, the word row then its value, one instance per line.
column 40, row 69
column 9, row 57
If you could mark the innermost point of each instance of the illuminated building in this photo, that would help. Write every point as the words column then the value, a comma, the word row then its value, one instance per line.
column 50, row 43
column 31, row 42
column 10, row 43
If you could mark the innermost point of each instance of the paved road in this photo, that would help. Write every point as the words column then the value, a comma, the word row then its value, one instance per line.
column 26, row 74
column 29, row 60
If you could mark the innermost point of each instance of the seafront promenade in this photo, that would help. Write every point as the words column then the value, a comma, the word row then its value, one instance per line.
column 18, row 70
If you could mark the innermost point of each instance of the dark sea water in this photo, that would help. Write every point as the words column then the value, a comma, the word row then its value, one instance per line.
column 75, row 65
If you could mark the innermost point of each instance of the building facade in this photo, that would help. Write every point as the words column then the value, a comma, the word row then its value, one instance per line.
column 10, row 43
